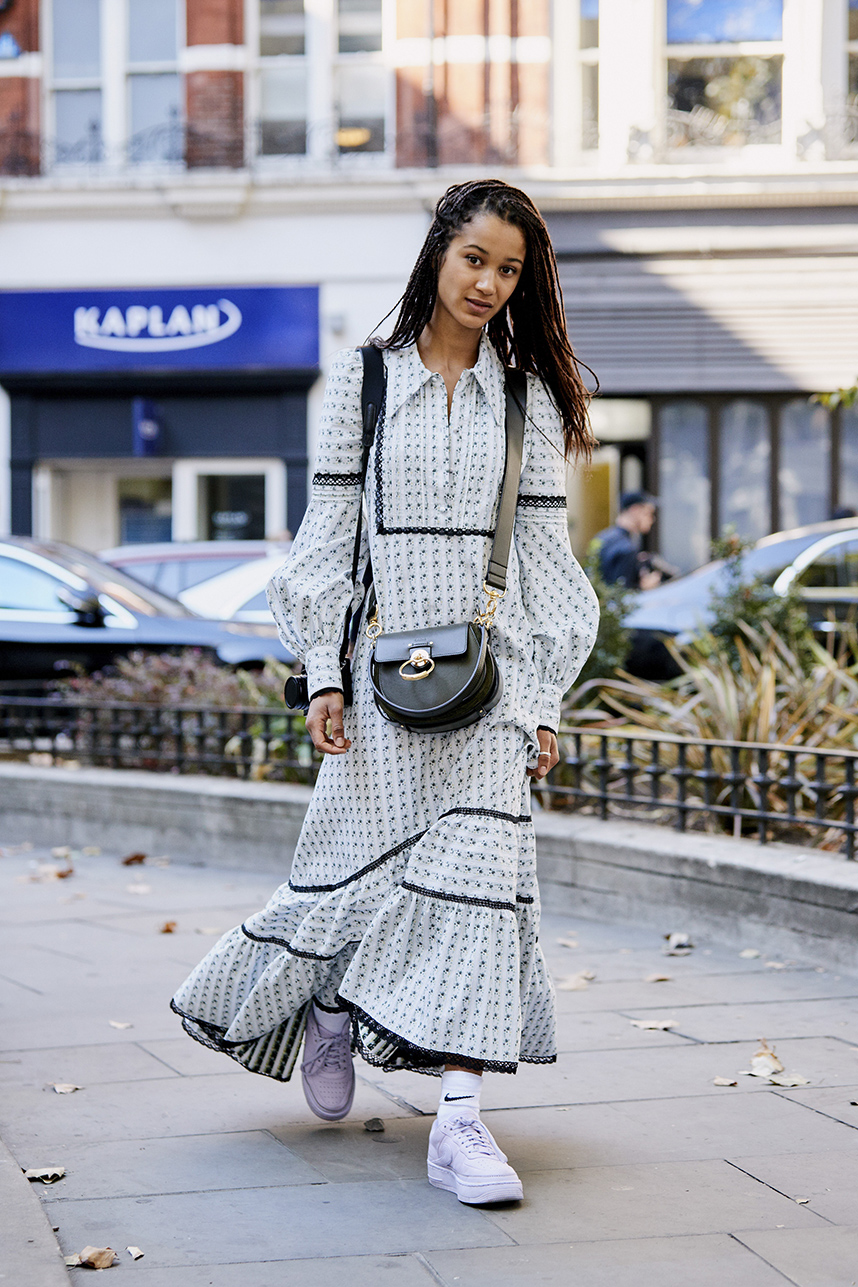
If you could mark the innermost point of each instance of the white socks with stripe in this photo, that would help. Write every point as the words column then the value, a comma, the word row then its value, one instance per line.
column 459, row 1090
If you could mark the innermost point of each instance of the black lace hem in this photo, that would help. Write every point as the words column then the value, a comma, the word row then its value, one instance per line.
column 336, row 480
column 542, row 502
column 209, row 1035
column 282, row 942
column 493, row 903
column 409, row 1056
column 371, row 866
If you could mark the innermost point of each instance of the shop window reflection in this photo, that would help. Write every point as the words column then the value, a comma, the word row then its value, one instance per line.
column 684, row 493
column 804, row 464
column 848, row 495
column 744, row 461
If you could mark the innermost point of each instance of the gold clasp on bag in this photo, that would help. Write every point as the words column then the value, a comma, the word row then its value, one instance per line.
column 487, row 616
column 421, row 662
column 373, row 629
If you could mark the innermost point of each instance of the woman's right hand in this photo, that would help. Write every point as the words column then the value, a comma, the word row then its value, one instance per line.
column 326, row 709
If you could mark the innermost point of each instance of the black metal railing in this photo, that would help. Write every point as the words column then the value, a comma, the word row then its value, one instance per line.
column 802, row 794
column 236, row 741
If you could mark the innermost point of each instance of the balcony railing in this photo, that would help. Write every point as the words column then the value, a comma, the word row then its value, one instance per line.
column 799, row 794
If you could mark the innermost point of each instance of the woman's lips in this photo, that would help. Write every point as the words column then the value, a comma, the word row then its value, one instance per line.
column 479, row 305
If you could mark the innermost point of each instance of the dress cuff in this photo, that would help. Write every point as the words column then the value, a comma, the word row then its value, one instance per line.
column 550, row 697
column 322, row 665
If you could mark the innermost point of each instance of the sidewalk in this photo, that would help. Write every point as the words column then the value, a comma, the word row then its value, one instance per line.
column 637, row 1169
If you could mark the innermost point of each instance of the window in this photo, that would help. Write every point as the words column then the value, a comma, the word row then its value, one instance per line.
column 836, row 569
column 361, row 79
column 724, row 67
column 849, row 457
column 852, row 74
column 283, row 78
column 804, row 464
column 135, row 72
column 27, row 589
column 588, row 47
column 744, row 455
column 683, row 484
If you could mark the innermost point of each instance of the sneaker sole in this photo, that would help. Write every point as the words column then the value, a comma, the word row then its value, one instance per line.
column 476, row 1192
column 327, row 1114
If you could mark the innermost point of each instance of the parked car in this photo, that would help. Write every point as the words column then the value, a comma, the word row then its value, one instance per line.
column 61, row 607
column 236, row 595
column 175, row 566
column 820, row 560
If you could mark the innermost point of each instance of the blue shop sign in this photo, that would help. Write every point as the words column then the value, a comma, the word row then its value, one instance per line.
column 250, row 328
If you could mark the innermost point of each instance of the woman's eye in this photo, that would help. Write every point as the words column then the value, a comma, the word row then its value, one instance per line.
column 472, row 259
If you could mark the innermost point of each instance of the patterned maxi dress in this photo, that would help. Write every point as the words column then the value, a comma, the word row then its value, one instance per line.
column 413, row 894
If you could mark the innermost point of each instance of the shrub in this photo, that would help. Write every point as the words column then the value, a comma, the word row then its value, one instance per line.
column 187, row 678
column 613, row 640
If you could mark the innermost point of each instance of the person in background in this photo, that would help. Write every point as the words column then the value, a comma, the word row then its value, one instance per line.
column 621, row 559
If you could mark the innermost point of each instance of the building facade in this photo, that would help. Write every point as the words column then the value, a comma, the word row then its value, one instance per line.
column 202, row 200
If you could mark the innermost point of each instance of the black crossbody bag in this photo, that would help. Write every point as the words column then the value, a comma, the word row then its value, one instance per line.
column 436, row 679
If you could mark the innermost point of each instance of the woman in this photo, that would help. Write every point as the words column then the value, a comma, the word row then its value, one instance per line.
column 408, row 929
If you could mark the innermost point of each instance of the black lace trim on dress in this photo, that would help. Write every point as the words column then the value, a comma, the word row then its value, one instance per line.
column 523, row 898
column 209, row 1033
column 282, row 942
column 371, row 866
column 335, row 480
column 433, row 531
column 491, row 813
column 379, row 447
column 410, row 1056
column 542, row 502
column 493, row 903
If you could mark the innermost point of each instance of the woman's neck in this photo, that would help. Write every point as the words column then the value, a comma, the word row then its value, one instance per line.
column 448, row 349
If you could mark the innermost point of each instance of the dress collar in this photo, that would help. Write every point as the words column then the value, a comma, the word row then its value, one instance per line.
column 406, row 374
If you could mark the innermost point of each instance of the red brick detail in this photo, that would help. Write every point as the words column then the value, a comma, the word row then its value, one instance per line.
column 19, row 125
column 215, row 114
column 215, row 22
column 22, row 22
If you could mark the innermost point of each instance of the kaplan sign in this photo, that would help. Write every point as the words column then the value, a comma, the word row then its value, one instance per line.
column 263, row 328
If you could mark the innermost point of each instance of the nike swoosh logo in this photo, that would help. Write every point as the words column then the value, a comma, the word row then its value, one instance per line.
column 451, row 1099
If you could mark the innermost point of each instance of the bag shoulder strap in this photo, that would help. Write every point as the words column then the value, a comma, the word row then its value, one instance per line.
column 516, row 401
column 371, row 398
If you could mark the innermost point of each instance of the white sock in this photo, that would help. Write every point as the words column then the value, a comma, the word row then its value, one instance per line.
column 331, row 1021
column 459, row 1090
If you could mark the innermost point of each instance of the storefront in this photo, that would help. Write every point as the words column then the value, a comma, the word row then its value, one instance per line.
column 141, row 415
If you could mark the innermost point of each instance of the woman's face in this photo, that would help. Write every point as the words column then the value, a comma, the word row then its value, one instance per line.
column 480, row 270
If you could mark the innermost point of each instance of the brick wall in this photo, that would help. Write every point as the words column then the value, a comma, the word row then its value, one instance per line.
column 19, row 95
column 214, row 100
column 485, row 111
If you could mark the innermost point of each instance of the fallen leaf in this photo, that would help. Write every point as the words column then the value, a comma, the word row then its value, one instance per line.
column 723, row 1081
column 47, row 1174
column 802, row 1202
column 97, row 1257
column 91, row 851
column 131, row 860
column 654, row 1025
column 566, row 942
column 64, row 1087
column 764, row 1063
column 575, row 982
column 169, row 927
column 658, row 978
column 117, row 1023
column 135, row 1253
column 374, row 1124
column 139, row 889
column 12, row 851
column 207, row 929
column 47, row 871
column 750, row 953
column 788, row 1079
column 61, row 851
column 678, row 944
column 775, row 965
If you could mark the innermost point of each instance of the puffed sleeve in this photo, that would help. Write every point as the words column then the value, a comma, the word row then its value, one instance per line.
column 559, row 602
column 310, row 594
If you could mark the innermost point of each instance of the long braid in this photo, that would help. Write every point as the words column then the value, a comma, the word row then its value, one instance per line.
column 530, row 331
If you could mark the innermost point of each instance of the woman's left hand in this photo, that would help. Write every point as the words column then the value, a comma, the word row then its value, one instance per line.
column 548, row 754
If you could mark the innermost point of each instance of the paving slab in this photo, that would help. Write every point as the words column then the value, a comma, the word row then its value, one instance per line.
column 663, row 1199
column 777, row 1019
column 840, row 1102
column 809, row 1257
column 708, row 1260
column 93, row 1065
column 177, row 1164
column 346, row 1151
column 337, row 1271
column 827, row 1182
column 278, row 1223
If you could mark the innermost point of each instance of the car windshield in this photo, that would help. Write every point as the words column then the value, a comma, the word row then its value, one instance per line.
column 127, row 590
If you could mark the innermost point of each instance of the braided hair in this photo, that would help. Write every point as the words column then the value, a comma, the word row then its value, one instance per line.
column 529, row 332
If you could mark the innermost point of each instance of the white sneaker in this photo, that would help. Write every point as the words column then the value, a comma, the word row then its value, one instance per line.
column 465, row 1160
column 328, row 1071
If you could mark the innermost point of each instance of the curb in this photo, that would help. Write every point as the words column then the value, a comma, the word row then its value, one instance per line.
column 29, row 1253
